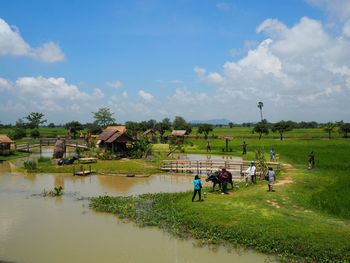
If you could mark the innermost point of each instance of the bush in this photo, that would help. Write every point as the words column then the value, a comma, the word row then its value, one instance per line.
column 18, row 133
column 35, row 134
column 30, row 165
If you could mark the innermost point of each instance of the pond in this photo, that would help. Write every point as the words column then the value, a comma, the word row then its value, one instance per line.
column 34, row 229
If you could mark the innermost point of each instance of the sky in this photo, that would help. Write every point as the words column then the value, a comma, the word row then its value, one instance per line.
column 152, row 59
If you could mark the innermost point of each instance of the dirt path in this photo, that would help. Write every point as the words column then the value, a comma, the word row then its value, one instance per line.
column 288, row 179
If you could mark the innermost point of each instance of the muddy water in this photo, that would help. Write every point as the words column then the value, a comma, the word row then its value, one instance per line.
column 36, row 229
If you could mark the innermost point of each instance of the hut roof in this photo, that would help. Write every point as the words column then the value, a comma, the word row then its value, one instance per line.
column 109, row 131
column 5, row 139
column 119, row 137
column 178, row 132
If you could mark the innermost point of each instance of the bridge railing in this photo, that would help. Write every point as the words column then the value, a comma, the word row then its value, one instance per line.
column 208, row 166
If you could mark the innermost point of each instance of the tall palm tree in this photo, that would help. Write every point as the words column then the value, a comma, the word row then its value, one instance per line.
column 260, row 106
column 329, row 128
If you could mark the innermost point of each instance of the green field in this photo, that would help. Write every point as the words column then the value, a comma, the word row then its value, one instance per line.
column 305, row 220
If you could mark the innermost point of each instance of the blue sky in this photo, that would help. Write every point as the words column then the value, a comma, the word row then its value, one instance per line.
column 157, row 59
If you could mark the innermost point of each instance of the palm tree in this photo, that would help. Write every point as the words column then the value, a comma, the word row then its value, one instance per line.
column 329, row 128
column 260, row 106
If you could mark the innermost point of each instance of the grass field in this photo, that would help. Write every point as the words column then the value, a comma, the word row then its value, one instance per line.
column 307, row 219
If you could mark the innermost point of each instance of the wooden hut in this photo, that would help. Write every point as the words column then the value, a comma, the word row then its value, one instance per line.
column 178, row 135
column 115, row 140
column 5, row 144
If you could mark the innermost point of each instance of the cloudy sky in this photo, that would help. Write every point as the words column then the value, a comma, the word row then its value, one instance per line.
column 200, row 59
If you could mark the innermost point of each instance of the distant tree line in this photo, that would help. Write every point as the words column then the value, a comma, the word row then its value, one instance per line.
column 103, row 117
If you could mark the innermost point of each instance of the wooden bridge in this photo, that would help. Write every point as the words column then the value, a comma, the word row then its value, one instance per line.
column 27, row 147
column 208, row 166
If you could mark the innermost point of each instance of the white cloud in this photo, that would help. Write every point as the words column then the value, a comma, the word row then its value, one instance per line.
column 125, row 95
column 146, row 96
column 12, row 43
column 300, row 67
column 337, row 9
column 115, row 84
column 52, row 88
column 5, row 84
column 49, row 52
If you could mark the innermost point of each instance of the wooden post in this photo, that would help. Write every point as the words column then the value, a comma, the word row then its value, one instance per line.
column 226, row 144
column 40, row 146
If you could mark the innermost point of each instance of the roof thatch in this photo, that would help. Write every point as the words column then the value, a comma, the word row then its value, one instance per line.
column 119, row 137
column 109, row 131
column 178, row 132
column 5, row 139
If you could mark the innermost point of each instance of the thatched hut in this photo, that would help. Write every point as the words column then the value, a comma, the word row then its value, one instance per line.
column 5, row 144
column 115, row 139
column 178, row 135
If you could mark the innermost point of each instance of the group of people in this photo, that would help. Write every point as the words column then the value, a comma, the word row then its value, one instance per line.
column 225, row 177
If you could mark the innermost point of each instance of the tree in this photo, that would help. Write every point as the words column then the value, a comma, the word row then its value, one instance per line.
column 35, row 119
column 260, row 106
column 93, row 128
column 329, row 128
column 103, row 117
column 163, row 126
column 179, row 123
column 35, row 134
column 344, row 128
column 205, row 128
column 261, row 128
column 51, row 125
column 74, row 127
column 230, row 124
column 282, row 127
column 133, row 128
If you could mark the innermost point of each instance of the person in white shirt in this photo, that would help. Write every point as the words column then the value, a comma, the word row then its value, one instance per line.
column 250, row 174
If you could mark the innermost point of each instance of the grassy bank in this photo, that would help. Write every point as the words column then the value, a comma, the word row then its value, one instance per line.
column 307, row 220
column 13, row 156
column 123, row 166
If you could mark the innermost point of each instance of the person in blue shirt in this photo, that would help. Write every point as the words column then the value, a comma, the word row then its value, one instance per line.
column 197, row 188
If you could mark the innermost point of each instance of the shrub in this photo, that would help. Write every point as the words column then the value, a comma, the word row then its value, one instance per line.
column 18, row 133
column 35, row 134
column 30, row 165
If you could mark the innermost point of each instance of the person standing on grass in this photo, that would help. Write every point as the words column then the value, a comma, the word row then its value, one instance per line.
column 311, row 160
column 271, row 177
column 197, row 188
column 244, row 148
column 250, row 174
column 272, row 155
column 224, row 178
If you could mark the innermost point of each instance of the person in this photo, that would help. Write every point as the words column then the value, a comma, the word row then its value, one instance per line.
column 244, row 148
column 250, row 173
column 208, row 147
column 197, row 188
column 224, row 178
column 311, row 160
column 272, row 155
column 271, row 177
